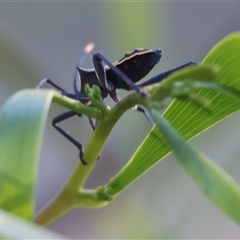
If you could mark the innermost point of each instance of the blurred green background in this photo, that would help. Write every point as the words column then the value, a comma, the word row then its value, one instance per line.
column 45, row 39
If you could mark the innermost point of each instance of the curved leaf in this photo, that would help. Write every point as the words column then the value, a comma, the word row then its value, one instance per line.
column 21, row 131
column 22, row 124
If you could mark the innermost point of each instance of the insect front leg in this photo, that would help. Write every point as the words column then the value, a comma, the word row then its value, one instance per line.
column 47, row 80
column 161, row 76
column 61, row 118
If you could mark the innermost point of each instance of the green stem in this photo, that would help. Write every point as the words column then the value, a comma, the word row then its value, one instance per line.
column 77, row 106
column 72, row 194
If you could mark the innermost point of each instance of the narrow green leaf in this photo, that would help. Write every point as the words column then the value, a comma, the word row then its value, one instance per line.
column 214, row 182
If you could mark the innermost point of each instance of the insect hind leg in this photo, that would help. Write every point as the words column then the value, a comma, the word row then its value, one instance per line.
column 145, row 112
column 61, row 118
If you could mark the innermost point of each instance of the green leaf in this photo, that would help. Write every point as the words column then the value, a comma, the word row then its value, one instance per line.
column 188, row 119
column 213, row 181
column 21, row 131
column 22, row 124
column 12, row 227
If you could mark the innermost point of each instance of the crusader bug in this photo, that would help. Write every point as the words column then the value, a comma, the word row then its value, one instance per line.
column 122, row 74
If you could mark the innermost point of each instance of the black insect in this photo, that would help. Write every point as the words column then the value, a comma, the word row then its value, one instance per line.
column 109, row 77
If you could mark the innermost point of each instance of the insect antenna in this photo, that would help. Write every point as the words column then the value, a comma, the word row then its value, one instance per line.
column 88, row 48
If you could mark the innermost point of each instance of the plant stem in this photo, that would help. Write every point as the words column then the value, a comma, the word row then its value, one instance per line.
column 77, row 106
column 72, row 194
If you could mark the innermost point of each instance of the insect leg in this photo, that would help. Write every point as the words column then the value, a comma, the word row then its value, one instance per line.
column 93, row 128
column 98, row 60
column 161, row 76
column 157, row 79
column 145, row 112
column 137, row 108
column 61, row 118
column 92, row 124
column 47, row 80
column 78, row 96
